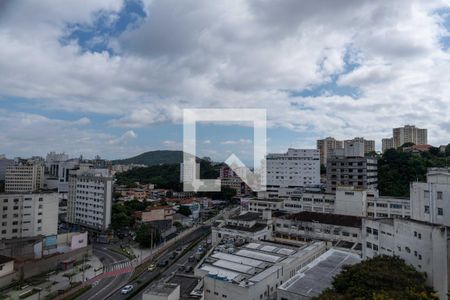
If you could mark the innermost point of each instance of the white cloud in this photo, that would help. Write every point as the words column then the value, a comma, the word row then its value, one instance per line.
column 23, row 134
column 124, row 138
column 236, row 142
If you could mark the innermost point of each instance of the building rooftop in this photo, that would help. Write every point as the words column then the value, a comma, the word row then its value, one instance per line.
column 249, row 216
column 5, row 259
column 252, row 262
column 325, row 218
column 254, row 228
column 187, row 285
column 161, row 289
column 318, row 275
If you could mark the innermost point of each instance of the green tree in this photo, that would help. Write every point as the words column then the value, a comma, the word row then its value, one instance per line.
column 184, row 210
column 447, row 150
column 382, row 277
column 120, row 216
column 148, row 235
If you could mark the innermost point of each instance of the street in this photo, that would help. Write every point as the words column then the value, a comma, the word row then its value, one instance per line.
column 147, row 277
column 105, row 286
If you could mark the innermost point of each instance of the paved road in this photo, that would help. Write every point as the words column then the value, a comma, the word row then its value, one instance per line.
column 147, row 276
column 105, row 286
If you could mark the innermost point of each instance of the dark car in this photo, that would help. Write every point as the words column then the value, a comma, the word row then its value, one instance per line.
column 173, row 255
column 181, row 268
column 163, row 263
column 189, row 269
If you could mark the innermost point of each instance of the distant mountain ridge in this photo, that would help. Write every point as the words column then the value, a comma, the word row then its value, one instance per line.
column 153, row 158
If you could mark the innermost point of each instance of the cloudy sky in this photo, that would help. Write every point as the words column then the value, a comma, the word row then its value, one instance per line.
column 112, row 77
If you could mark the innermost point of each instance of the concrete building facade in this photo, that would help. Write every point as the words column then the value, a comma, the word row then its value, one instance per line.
column 326, row 147
column 253, row 271
column 430, row 200
column 293, row 169
column 409, row 134
column 90, row 198
column 28, row 215
column 421, row 244
column 387, row 143
column 24, row 177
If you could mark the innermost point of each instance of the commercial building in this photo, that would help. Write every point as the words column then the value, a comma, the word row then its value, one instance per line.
column 430, row 200
column 387, row 143
column 341, row 230
column 326, row 147
column 259, row 205
column 230, row 179
column 24, row 176
column 349, row 200
column 349, row 167
column 317, row 276
column 421, row 244
column 28, row 215
column 90, row 196
column 409, row 134
column 249, row 226
column 368, row 145
column 293, row 169
column 254, row 270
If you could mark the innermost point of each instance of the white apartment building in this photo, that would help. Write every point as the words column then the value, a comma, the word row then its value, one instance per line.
column 253, row 271
column 28, row 215
column 326, row 147
column 259, row 205
column 430, row 200
column 24, row 177
column 341, row 230
column 293, row 169
column 90, row 198
column 349, row 200
column 249, row 226
column 421, row 244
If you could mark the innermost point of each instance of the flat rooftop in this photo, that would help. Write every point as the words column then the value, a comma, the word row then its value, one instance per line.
column 250, row 263
column 325, row 218
column 249, row 216
column 318, row 275
column 164, row 289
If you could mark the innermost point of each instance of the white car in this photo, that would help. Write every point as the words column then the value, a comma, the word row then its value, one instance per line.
column 126, row 289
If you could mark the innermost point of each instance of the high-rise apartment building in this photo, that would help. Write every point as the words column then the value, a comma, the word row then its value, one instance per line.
column 368, row 145
column 326, row 146
column 387, row 143
column 24, row 177
column 409, row 134
column 28, row 215
column 90, row 198
column 349, row 167
column 293, row 169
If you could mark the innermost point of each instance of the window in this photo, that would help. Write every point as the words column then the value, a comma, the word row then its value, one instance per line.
column 439, row 195
column 440, row 211
column 427, row 209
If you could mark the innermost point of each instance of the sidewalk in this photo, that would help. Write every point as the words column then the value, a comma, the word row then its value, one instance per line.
column 56, row 282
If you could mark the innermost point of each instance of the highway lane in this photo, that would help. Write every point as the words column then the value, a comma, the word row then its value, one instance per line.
column 106, row 286
column 147, row 276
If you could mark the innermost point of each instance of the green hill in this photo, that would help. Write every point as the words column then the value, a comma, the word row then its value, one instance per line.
column 153, row 158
